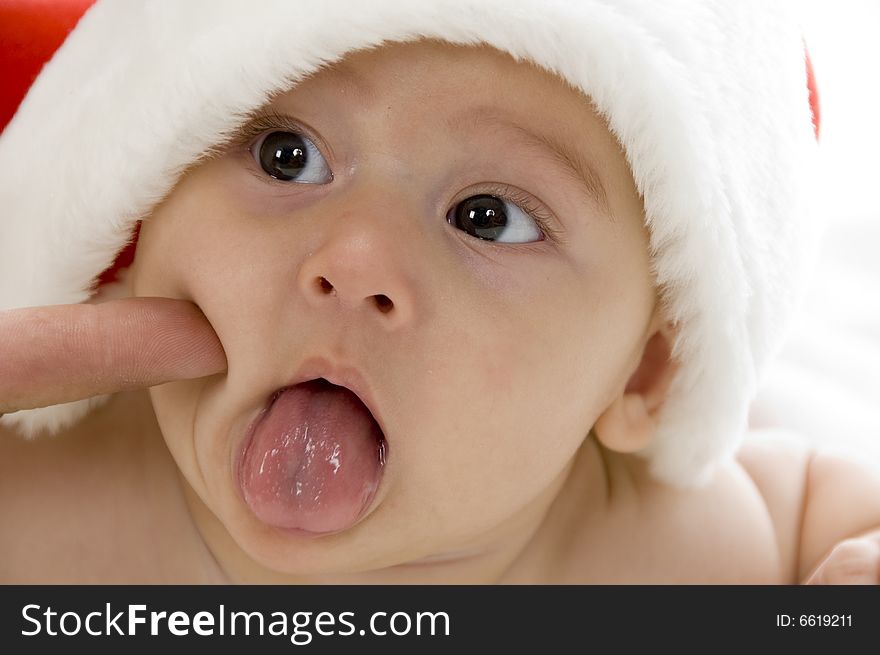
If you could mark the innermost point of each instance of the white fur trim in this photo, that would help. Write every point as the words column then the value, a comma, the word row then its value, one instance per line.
column 33, row 423
column 708, row 99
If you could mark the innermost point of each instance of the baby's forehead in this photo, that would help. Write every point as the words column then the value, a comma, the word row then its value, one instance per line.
column 467, row 72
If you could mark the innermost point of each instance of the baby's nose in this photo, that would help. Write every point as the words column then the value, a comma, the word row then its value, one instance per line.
column 361, row 265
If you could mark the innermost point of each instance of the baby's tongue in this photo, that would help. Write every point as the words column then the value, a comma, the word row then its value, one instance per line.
column 314, row 461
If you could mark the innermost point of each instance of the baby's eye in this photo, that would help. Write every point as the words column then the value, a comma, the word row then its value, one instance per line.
column 289, row 156
column 492, row 219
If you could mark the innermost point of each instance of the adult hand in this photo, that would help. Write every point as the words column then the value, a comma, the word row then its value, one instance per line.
column 61, row 353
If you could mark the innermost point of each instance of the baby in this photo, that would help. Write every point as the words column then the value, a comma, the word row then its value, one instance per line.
column 430, row 346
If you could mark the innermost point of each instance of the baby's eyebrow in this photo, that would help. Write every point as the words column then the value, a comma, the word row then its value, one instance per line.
column 570, row 159
column 259, row 121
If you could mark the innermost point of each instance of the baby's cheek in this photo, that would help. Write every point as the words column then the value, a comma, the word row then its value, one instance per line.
column 181, row 240
column 497, row 372
column 507, row 384
column 175, row 405
column 157, row 269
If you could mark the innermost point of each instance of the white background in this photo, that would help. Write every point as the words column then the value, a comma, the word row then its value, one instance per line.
column 826, row 382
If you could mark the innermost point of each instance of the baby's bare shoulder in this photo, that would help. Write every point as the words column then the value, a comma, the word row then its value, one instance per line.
column 83, row 506
column 721, row 533
column 51, row 507
column 724, row 532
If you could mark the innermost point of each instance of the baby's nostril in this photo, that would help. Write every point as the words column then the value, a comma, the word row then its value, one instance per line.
column 384, row 303
column 324, row 285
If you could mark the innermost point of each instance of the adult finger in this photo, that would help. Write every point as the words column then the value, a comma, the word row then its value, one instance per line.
column 60, row 353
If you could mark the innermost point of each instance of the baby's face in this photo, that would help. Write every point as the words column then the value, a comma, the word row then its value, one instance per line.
column 428, row 235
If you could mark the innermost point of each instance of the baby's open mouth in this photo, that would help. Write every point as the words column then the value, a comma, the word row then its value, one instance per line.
column 313, row 460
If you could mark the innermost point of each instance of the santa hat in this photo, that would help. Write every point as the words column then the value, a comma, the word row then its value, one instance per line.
column 709, row 100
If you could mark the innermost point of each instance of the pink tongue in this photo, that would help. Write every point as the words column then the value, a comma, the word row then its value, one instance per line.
column 314, row 461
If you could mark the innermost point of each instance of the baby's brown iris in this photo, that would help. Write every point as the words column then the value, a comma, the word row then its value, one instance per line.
column 481, row 216
column 283, row 155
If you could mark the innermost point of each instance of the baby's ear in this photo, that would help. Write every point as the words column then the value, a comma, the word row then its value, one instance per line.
column 630, row 421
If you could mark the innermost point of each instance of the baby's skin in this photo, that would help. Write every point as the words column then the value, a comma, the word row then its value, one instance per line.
column 458, row 237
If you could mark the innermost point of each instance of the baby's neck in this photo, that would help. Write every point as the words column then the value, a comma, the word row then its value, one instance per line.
column 530, row 547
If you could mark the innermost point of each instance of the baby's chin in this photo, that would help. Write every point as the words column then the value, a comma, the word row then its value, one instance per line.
column 250, row 551
column 260, row 552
